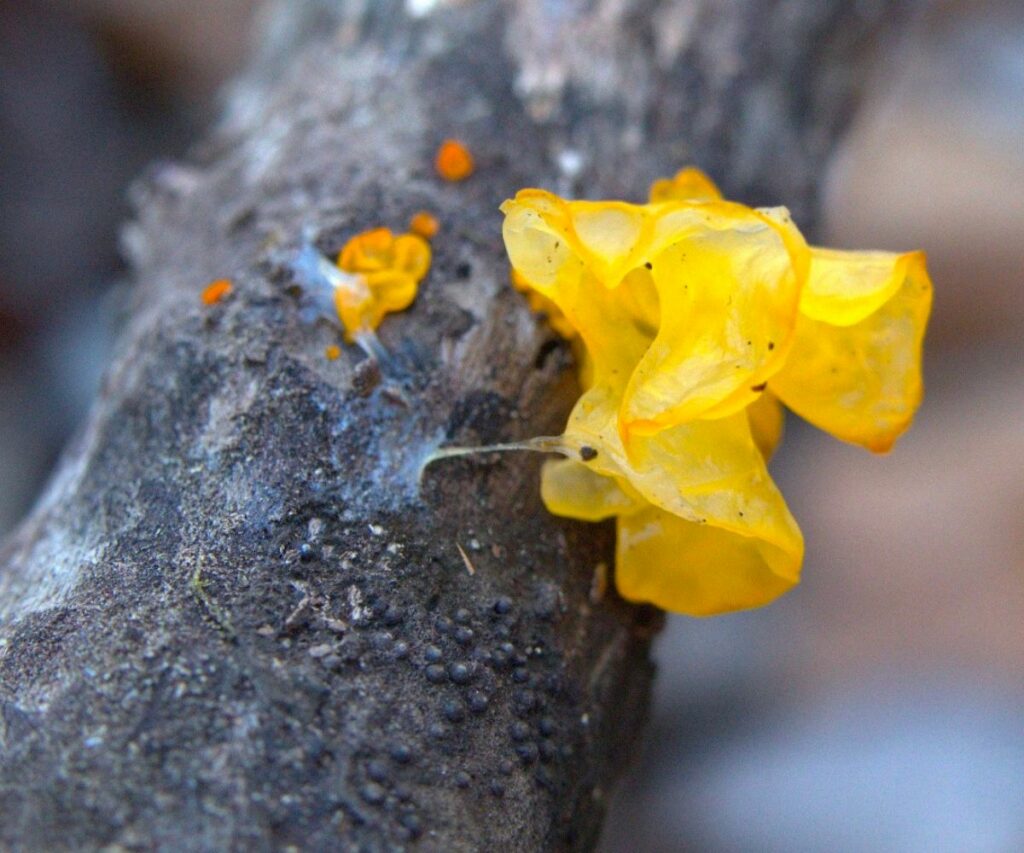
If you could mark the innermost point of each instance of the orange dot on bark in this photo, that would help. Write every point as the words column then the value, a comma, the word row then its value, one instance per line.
column 454, row 162
column 424, row 224
column 215, row 291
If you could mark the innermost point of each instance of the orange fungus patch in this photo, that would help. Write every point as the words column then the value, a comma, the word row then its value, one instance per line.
column 453, row 161
column 383, row 272
column 425, row 224
column 215, row 291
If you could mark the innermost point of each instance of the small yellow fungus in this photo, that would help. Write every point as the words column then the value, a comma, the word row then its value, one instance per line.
column 425, row 225
column 688, row 184
column 453, row 161
column 215, row 291
column 382, row 274
column 332, row 352
column 698, row 318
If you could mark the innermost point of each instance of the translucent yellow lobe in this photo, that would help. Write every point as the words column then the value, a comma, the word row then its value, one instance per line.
column 705, row 475
column 767, row 423
column 695, row 317
column 700, row 571
column 542, row 305
column 855, row 368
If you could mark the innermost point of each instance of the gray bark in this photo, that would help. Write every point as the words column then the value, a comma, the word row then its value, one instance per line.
column 233, row 621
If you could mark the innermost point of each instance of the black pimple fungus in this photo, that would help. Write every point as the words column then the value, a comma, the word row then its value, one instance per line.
column 463, row 635
column 462, row 779
column 478, row 702
column 520, row 675
column 497, row 788
column 502, row 605
column 411, row 824
column 519, row 731
column 588, row 453
column 453, row 711
column 462, row 616
column 401, row 754
column 378, row 772
column 432, row 654
column 435, row 673
column 460, row 673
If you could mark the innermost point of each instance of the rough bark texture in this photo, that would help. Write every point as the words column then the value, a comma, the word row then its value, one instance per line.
column 233, row 621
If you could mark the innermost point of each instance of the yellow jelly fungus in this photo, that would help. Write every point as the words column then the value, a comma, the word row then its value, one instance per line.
column 384, row 272
column 686, row 184
column 697, row 316
column 453, row 161
column 215, row 291
column 425, row 224
column 332, row 352
column 542, row 305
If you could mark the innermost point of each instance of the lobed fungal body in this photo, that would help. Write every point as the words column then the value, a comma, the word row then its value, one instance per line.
column 377, row 273
column 696, row 319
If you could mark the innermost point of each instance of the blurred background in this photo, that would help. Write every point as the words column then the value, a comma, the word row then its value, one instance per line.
column 880, row 706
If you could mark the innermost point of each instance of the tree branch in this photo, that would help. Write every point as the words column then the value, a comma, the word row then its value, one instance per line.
column 234, row 621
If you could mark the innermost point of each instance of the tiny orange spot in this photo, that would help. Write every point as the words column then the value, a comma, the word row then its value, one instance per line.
column 453, row 161
column 332, row 351
column 425, row 224
column 215, row 291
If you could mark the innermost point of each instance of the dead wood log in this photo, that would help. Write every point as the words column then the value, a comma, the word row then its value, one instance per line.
column 233, row 621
